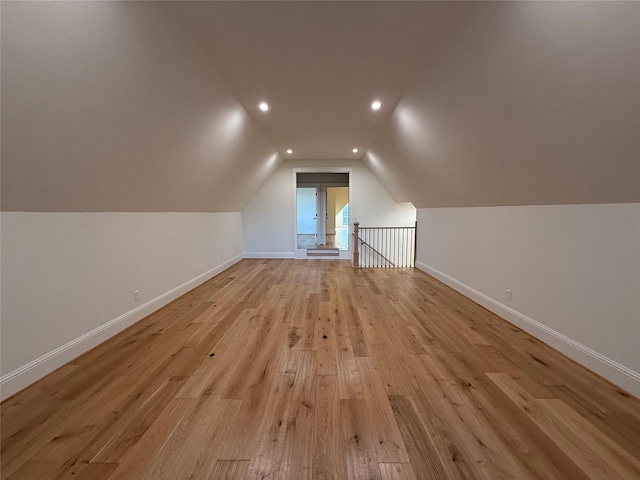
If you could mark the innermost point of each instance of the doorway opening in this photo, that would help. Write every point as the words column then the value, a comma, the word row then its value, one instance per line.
column 322, row 211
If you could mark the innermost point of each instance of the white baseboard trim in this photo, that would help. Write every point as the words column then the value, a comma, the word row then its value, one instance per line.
column 613, row 371
column 27, row 374
column 268, row 255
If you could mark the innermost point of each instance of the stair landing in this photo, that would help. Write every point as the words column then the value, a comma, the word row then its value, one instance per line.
column 323, row 252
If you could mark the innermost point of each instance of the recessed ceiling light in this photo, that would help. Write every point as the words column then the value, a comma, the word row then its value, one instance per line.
column 376, row 105
column 289, row 151
column 264, row 106
column 355, row 150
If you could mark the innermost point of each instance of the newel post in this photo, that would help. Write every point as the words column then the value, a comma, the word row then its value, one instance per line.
column 415, row 243
column 356, row 245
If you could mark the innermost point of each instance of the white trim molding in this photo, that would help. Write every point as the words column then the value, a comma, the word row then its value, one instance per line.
column 268, row 255
column 295, row 171
column 602, row 365
column 25, row 375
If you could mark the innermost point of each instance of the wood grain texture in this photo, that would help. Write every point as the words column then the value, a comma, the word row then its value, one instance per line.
column 293, row 369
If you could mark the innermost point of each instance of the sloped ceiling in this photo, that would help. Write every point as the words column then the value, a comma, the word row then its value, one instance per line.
column 320, row 64
column 537, row 103
column 113, row 106
column 145, row 106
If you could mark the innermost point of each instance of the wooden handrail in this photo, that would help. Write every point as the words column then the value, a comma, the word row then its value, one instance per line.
column 365, row 243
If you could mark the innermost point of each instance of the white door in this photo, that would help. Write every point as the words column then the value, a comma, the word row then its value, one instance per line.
column 306, row 210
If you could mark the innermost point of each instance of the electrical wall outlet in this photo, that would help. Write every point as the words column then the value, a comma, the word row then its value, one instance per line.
column 136, row 295
column 507, row 295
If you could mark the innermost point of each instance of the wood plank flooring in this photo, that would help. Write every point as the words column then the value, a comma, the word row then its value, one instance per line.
column 291, row 369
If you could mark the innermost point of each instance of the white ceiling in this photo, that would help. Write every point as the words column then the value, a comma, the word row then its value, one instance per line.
column 152, row 106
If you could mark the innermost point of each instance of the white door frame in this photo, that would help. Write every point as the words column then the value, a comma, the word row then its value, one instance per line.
column 302, row 253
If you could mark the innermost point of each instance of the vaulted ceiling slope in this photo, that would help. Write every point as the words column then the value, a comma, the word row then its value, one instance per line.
column 532, row 103
column 320, row 64
column 113, row 106
column 484, row 103
column 151, row 106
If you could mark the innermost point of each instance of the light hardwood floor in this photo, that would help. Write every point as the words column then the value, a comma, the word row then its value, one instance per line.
column 298, row 369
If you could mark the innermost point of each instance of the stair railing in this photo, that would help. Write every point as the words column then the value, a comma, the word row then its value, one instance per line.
column 384, row 247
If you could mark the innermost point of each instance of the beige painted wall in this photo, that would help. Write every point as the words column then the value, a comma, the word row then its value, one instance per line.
column 337, row 197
